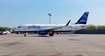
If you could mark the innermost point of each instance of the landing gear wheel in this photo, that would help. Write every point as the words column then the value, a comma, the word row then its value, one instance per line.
column 51, row 34
column 17, row 32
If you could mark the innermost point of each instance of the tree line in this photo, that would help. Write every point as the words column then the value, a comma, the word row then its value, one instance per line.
column 4, row 28
column 93, row 27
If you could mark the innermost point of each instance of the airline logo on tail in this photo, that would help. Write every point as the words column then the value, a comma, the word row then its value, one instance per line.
column 83, row 19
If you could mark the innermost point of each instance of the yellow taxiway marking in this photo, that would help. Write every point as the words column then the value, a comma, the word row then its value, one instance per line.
column 5, row 39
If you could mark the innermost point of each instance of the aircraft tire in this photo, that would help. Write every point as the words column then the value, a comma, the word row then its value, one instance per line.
column 51, row 34
column 17, row 33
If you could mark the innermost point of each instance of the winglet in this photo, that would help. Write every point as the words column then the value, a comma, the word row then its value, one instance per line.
column 68, row 23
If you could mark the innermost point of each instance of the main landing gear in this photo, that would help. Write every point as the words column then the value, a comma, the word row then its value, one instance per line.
column 51, row 33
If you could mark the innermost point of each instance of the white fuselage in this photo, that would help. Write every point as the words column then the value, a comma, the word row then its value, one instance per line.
column 37, row 27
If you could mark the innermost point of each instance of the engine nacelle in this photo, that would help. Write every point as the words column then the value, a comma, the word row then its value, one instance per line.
column 42, row 32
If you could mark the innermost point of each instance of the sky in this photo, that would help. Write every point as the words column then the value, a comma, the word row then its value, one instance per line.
column 17, row 12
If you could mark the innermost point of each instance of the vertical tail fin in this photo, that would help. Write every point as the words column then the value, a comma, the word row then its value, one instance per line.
column 83, row 19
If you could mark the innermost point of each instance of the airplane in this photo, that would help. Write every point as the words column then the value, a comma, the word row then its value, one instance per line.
column 45, row 29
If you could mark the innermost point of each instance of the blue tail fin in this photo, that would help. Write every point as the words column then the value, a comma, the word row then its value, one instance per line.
column 83, row 19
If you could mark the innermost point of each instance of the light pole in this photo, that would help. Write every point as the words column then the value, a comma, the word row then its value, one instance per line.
column 49, row 18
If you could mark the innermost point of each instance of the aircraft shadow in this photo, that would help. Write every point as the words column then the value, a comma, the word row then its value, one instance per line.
column 41, row 36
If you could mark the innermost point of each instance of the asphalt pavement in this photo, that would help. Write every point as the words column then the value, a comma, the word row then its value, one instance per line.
column 58, row 45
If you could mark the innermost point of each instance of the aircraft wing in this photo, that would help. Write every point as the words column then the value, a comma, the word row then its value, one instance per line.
column 52, row 29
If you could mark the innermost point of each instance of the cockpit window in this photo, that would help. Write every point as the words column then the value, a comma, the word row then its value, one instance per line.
column 19, row 26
